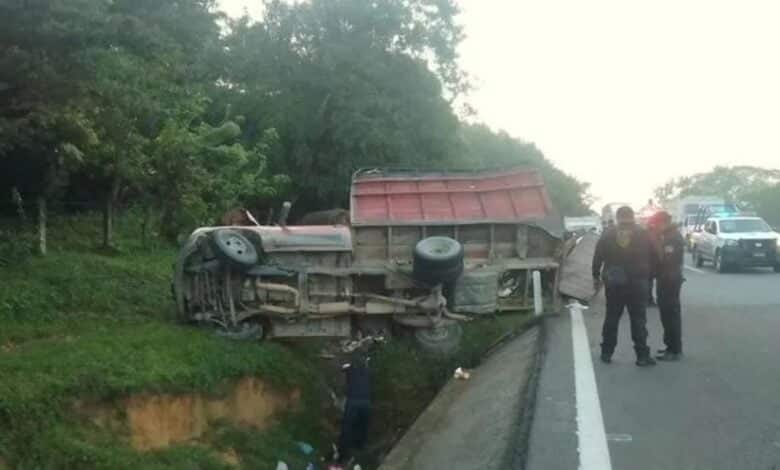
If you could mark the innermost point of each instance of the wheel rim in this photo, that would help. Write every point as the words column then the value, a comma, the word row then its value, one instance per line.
column 235, row 245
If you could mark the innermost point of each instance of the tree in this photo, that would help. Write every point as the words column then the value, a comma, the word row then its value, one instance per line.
column 346, row 85
column 750, row 187
column 200, row 171
column 735, row 183
column 485, row 149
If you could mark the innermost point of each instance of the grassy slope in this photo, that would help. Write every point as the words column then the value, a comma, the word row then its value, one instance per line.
column 79, row 324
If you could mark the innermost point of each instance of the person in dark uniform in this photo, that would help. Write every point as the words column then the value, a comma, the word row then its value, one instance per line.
column 623, row 261
column 357, row 410
column 670, row 246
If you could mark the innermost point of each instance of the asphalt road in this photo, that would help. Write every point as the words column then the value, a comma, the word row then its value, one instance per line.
column 717, row 409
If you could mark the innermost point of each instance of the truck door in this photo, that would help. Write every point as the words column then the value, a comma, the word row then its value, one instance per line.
column 709, row 237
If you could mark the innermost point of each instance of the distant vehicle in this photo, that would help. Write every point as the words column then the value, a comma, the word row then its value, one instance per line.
column 691, row 212
column 580, row 225
column 735, row 242
column 682, row 208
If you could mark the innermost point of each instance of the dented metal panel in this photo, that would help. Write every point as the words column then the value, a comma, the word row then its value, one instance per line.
column 296, row 238
column 382, row 197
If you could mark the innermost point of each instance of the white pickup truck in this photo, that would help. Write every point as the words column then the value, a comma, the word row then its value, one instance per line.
column 735, row 242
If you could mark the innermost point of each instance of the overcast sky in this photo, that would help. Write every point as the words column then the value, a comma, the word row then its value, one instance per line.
column 626, row 94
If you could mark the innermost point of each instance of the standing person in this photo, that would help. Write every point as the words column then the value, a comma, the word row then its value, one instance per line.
column 622, row 261
column 357, row 411
column 671, row 247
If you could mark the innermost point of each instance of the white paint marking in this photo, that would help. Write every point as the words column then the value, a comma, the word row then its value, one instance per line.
column 620, row 438
column 696, row 270
column 593, row 449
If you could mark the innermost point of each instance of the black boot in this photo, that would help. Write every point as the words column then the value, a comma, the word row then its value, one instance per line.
column 669, row 356
column 606, row 358
column 645, row 361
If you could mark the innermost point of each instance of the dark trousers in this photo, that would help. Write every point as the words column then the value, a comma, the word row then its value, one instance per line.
column 633, row 297
column 669, row 306
column 354, row 426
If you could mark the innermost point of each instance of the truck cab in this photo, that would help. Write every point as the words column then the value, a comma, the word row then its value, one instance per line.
column 735, row 242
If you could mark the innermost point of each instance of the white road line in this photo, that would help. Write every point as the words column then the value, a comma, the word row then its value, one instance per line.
column 696, row 270
column 593, row 449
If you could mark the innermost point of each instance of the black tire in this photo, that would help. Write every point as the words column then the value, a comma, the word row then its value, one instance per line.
column 437, row 260
column 720, row 267
column 697, row 259
column 443, row 341
column 247, row 331
column 234, row 248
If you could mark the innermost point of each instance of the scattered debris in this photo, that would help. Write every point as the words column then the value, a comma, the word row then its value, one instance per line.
column 306, row 448
column 350, row 346
column 461, row 374
column 282, row 466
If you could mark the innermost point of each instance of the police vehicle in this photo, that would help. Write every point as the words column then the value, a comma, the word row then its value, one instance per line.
column 733, row 242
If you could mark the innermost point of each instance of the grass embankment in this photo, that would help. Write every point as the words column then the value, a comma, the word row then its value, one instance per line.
column 81, row 325
column 78, row 324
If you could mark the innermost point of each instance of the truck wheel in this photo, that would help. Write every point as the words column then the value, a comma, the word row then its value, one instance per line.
column 246, row 331
column 719, row 265
column 234, row 248
column 437, row 260
column 443, row 340
column 697, row 259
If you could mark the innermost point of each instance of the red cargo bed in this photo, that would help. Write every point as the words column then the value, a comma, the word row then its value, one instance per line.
column 387, row 197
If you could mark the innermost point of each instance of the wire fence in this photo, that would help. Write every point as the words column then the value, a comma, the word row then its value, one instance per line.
column 79, row 225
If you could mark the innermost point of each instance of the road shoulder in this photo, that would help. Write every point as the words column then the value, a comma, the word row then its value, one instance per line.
column 475, row 423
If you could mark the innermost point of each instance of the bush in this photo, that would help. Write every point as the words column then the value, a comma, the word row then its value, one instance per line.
column 16, row 247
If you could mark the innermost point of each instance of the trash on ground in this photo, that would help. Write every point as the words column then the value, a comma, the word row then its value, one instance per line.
column 307, row 449
column 282, row 466
column 461, row 374
column 350, row 346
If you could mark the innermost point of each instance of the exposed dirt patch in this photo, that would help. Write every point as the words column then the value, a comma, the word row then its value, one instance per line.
column 230, row 457
column 160, row 420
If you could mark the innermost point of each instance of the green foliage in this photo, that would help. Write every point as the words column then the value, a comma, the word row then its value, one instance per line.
column 16, row 247
column 750, row 187
column 95, row 328
column 487, row 149
column 347, row 85
column 187, row 113
column 200, row 171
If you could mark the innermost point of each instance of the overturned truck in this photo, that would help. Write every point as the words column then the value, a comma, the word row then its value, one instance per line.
column 422, row 250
